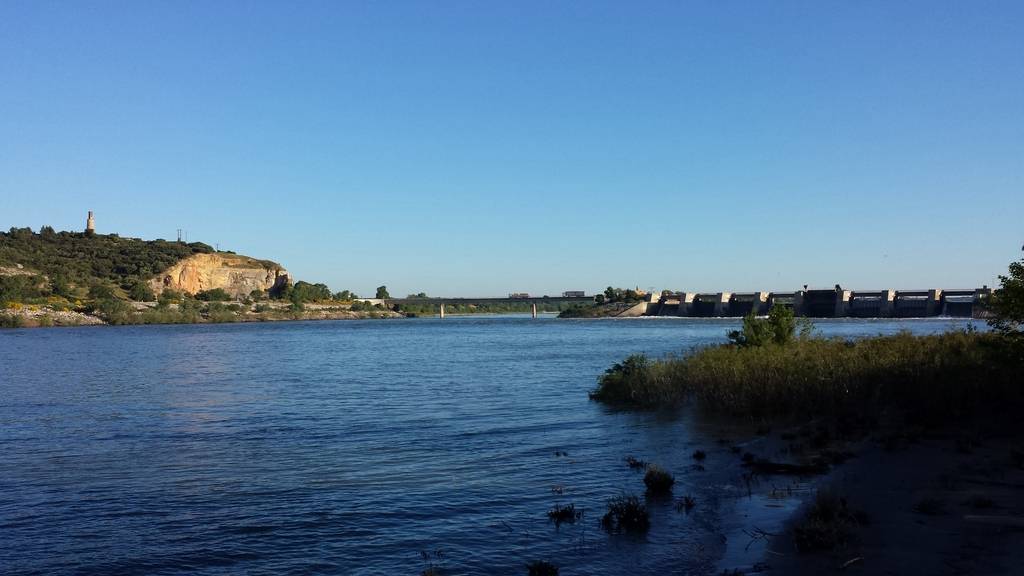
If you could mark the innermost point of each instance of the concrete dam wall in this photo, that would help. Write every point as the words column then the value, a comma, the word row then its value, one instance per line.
column 836, row 303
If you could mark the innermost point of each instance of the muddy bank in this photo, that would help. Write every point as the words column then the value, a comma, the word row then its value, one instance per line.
column 918, row 502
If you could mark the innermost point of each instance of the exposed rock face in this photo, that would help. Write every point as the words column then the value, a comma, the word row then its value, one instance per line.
column 236, row 275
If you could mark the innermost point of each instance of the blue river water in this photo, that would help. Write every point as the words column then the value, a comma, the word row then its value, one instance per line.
column 347, row 447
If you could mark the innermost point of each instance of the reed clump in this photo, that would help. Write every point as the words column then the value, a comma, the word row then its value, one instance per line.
column 933, row 377
column 658, row 481
column 626, row 514
column 567, row 513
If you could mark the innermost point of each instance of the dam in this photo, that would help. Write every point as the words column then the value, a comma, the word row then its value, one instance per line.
column 832, row 303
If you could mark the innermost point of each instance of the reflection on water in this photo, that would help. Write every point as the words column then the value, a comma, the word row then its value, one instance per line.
column 351, row 447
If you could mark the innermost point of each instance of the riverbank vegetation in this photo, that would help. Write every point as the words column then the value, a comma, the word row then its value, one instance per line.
column 612, row 302
column 774, row 367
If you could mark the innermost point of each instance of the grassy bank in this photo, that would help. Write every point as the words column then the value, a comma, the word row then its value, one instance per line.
column 936, row 376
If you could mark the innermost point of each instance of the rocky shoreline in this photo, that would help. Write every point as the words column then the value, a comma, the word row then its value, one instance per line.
column 44, row 317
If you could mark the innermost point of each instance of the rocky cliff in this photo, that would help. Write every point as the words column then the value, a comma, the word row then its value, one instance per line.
column 236, row 275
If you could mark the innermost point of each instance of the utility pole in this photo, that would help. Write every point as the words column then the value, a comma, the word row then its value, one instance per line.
column 179, row 235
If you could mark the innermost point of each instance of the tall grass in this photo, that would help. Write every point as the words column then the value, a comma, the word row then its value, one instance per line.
column 935, row 376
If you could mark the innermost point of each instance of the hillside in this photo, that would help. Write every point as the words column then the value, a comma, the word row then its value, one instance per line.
column 73, row 265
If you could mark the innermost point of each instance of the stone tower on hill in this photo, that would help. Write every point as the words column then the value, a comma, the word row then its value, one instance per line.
column 90, row 224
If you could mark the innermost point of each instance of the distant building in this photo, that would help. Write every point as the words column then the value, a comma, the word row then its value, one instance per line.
column 574, row 294
column 90, row 224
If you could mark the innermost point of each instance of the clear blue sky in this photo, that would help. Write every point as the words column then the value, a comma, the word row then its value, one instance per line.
column 479, row 148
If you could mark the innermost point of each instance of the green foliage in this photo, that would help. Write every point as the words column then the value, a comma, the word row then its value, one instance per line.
column 634, row 381
column 213, row 295
column 599, row 299
column 21, row 287
column 1007, row 302
column 382, row 293
column 169, row 297
column 141, row 292
column 116, row 311
column 780, row 327
column 612, row 295
column 360, row 306
column 11, row 321
column 306, row 292
column 219, row 313
column 85, row 260
column 345, row 296
column 59, row 286
column 935, row 376
column 101, row 292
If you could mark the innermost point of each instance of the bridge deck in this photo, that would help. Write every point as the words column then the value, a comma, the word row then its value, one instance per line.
column 537, row 300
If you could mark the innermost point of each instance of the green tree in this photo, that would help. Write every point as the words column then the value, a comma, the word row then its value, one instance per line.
column 213, row 295
column 1007, row 302
column 141, row 292
column 382, row 293
column 780, row 327
column 116, row 311
column 306, row 292
column 101, row 292
column 59, row 286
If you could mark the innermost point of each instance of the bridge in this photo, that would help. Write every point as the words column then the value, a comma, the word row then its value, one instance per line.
column 442, row 302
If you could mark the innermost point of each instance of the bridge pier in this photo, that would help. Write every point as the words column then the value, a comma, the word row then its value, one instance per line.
column 441, row 311
column 534, row 310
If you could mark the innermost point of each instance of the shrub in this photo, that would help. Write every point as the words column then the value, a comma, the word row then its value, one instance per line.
column 11, row 321
column 213, row 295
column 635, row 380
column 141, row 292
column 360, row 306
column 116, row 311
column 567, row 513
column 780, row 327
column 626, row 514
column 935, row 377
column 101, row 292
column 1007, row 302
column 169, row 296
column 658, row 480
